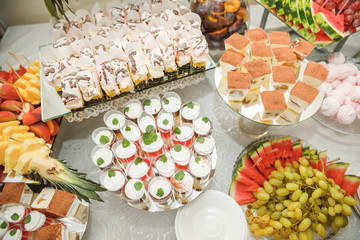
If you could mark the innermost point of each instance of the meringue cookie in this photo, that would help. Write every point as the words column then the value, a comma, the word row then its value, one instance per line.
column 346, row 115
column 344, row 87
column 338, row 95
column 355, row 94
column 357, row 75
column 335, row 83
column 344, row 71
column 328, row 89
column 352, row 69
column 333, row 73
column 330, row 106
column 358, row 112
column 351, row 103
column 351, row 79
column 336, row 58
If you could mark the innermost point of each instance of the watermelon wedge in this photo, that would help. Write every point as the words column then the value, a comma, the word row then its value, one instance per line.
column 272, row 3
column 302, row 14
column 336, row 171
column 314, row 161
column 279, row 8
column 241, row 197
column 243, row 187
column 246, row 167
column 287, row 10
column 256, row 159
column 269, row 152
column 309, row 11
column 306, row 152
column 321, row 39
column 261, row 151
column 297, row 148
column 245, row 180
column 350, row 184
column 294, row 12
column 322, row 161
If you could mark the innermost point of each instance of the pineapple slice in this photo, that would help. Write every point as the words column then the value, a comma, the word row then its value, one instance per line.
column 3, row 125
column 32, row 144
column 34, row 92
column 22, row 165
column 3, row 146
column 34, row 83
column 12, row 154
column 27, row 97
column 22, row 83
column 20, row 137
column 10, row 130
column 31, row 69
column 27, row 76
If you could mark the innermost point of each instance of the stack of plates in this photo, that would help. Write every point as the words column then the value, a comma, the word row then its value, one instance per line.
column 357, row 198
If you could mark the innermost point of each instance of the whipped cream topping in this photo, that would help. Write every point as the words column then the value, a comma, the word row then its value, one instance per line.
column 201, row 127
column 182, row 157
column 11, row 210
column 108, row 78
column 117, row 11
column 137, row 65
column 169, row 57
column 101, row 48
column 122, row 73
column 206, row 147
column 113, row 183
column 135, row 110
column 183, row 185
column 61, row 42
column 127, row 152
column 165, row 168
column 104, row 153
column 192, row 24
column 88, row 84
column 133, row 134
column 137, row 170
column 186, row 133
column 154, row 146
column 106, row 133
column 183, row 47
column 37, row 220
column 160, row 183
column 154, row 106
column 115, row 44
column 87, row 53
column 200, row 48
column 71, row 95
column 155, row 63
column 146, row 121
column 190, row 113
column 131, row 192
column 50, row 70
column 201, row 168
column 115, row 125
column 98, row 16
column 16, row 236
column 146, row 17
column 173, row 105
column 165, row 116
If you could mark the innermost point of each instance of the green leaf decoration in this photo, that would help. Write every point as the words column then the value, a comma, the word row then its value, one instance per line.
column 178, row 148
column 147, row 102
column 104, row 139
column 165, row 122
column 27, row 219
column 166, row 101
column 197, row 159
column 177, row 131
column 179, row 175
column 190, row 105
column 200, row 140
column 15, row 217
column 3, row 225
column 138, row 186
column 115, row 121
column 163, row 158
column 149, row 129
column 13, row 232
column 205, row 119
column 125, row 143
column 127, row 128
column 149, row 138
column 51, row 8
column 138, row 160
column 160, row 192
column 126, row 109
column 100, row 161
column 111, row 173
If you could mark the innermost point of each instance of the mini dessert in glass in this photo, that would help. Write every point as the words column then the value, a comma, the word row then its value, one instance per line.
column 103, row 137
column 152, row 145
column 102, row 157
column 184, row 135
column 4, row 227
column 134, row 193
column 152, row 105
column 13, row 212
column 165, row 124
column 114, row 120
column 182, row 182
column 140, row 168
column 202, row 126
column 133, row 109
column 171, row 102
column 15, row 233
column 200, row 168
column 160, row 191
column 189, row 112
column 181, row 156
column 165, row 166
column 204, row 145
column 125, row 152
column 144, row 121
column 131, row 132
column 35, row 220
column 112, row 179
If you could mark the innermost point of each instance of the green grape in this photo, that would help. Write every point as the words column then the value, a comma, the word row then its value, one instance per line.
column 259, row 233
column 320, row 230
column 331, row 211
column 296, row 195
column 275, row 215
column 313, row 217
column 284, row 213
column 251, row 219
column 337, row 196
column 262, row 211
column 277, row 235
column 275, row 182
column 268, row 230
column 288, row 175
column 255, row 205
column 316, row 193
column 323, row 184
column 303, row 171
column 305, row 224
column 287, row 202
column 294, row 205
column 337, row 187
column 293, row 236
column 304, row 161
column 303, row 236
column 268, row 212
column 309, row 181
column 316, row 209
column 292, row 186
column 334, row 228
column 260, row 190
column 295, row 165
column 350, row 200
column 346, row 221
column 279, row 206
column 338, row 208
column 310, row 234
column 320, row 175
column 298, row 214
column 331, row 202
column 255, row 194
column 254, row 227
column 322, row 217
column 281, row 198
column 276, row 224
column 277, row 175
column 310, row 171
column 263, row 196
column 303, row 198
column 282, row 192
column 346, row 210
column 311, row 200
column 265, row 219
column 318, row 201
column 268, row 188
column 313, row 226
column 277, row 163
column 339, row 221
column 324, row 210
column 261, row 202
column 271, row 206
column 297, row 177
column 288, row 167
column 315, row 179
column 285, row 222
column 291, row 214
column 332, row 190
column 280, row 169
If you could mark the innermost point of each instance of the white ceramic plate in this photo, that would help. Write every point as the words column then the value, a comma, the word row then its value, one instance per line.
column 213, row 215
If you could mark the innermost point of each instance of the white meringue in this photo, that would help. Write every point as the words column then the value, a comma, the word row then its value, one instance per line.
column 346, row 115
column 330, row 106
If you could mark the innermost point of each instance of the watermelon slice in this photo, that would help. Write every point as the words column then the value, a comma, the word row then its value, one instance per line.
column 268, row 172
column 272, row 3
column 322, row 161
column 241, row 197
column 309, row 11
column 321, row 39
column 256, row 159
column 294, row 12
column 314, row 161
column 350, row 184
column 269, row 152
column 242, row 187
column 336, row 171
column 246, row 167
column 297, row 148
column 261, row 151
column 245, row 180
column 287, row 10
column 302, row 14
column 306, row 152
column 279, row 7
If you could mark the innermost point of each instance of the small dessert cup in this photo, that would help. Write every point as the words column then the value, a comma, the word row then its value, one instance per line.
column 134, row 193
column 102, row 157
column 184, row 135
column 125, row 151
column 133, row 109
column 165, row 166
column 16, row 233
column 161, row 192
column 200, row 168
column 189, row 112
column 145, row 120
column 181, row 156
column 13, row 213
column 202, row 127
column 204, row 145
column 103, row 137
column 141, row 169
column 152, row 105
column 4, row 228
column 131, row 132
column 34, row 221
column 114, row 120
column 171, row 102
column 151, row 150
column 112, row 179
column 182, row 182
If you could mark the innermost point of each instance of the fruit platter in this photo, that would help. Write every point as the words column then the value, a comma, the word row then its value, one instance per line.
column 321, row 22
column 292, row 190
column 157, row 155
column 37, row 212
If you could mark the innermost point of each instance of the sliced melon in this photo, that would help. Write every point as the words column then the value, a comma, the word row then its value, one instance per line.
column 245, row 180
column 287, row 10
column 302, row 14
column 350, row 184
column 309, row 11
column 294, row 12
column 323, row 161
column 22, row 165
column 246, row 167
column 272, row 3
column 32, row 144
column 279, row 8
column 242, row 187
column 330, row 25
column 321, row 39
column 336, row 171
column 20, row 137
column 256, row 159
column 241, row 197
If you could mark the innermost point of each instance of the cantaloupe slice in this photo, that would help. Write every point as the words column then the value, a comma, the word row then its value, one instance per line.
column 12, row 154
column 3, row 125
column 10, row 130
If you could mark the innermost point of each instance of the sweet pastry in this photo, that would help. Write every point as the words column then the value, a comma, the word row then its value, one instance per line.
column 259, row 71
column 112, row 179
column 190, row 111
column 238, row 85
column 284, row 56
column 279, row 39
column 301, row 96
column 238, row 43
column 182, row 182
column 288, row 117
column 200, row 51
column 62, row 204
column 165, row 166
column 272, row 103
column 138, row 69
column 71, row 95
column 261, row 51
column 160, row 191
column 200, row 168
column 43, row 200
column 302, row 48
column 257, row 35
column 89, row 85
column 16, row 193
column 155, row 65
column 283, row 78
column 56, row 231
column 315, row 74
column 346, row 115
column 231, row 60
column 183, row 54
column 204, row 146
column 252, row 97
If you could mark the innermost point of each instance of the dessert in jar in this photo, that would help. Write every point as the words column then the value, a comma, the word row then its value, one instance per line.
column 35, row 220
column 13, row 213
column 165, row 166
column 134, row 193
column 141, row 169
column 182, row 182
column 184, row 135
column 204, row 145
column 200, row 168
column 152, row 146
column 160, row 191
column 103, row 137
column 4, row 227
column 181, row 156
column 15, row 233
column 145, row 120
column 171, row 102
column 102, row 157
column 112, row 179
column 202, row 126
column 131, row 132
column 125, row 152
column 114, row 120
column 189, row 112
column 133, row 109
column 165, row 123
column 152, row 105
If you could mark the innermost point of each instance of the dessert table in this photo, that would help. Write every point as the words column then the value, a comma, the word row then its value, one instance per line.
column 113, row 218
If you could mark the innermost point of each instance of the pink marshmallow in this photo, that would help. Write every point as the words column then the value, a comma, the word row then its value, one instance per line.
column 330, row 106
column 352, row 68
column 358, row 112
column 351, row 103
column 358, row 78
column 336, row 58
column 338, row 95
column 328, row 89
column 346, row 115
column 351, row 79
column 355, row 94
column 335, row 83
column 344, row 87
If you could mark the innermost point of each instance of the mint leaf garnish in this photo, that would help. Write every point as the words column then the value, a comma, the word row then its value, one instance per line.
column 125, row 143
column 149, row 138
column 190, row 105
column 3, row 225
column 166, row 101
column 127, row 128
column 104, row 139
column 138, row 160
column 13, row 232
column 177, row 131
column 126, row 109
column 160, row 192
column 111, row 173
column 197, row 159
column 138, row 186
column 15, row 217
column 149, row 129
column 147, row 102
column 205, row 119
column 200, row 140
column 177, row 148
column 100, row 161
column 163, row 158
column 27, row 219
column 165, row 122
column 179, row 175
column 115, row 121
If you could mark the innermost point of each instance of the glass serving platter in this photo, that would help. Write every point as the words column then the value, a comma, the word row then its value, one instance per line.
column 332, row 123
column 53, row 107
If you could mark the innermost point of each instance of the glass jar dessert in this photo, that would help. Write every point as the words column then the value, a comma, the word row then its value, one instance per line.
column 133, row 109
column 103, row 137
column 165, row 166
column 202, row 126
column 184, row 135
column 171, row 102
column 112, row 179
column 125, row 151
column 151, row 148
column 131, row 132
column 114, row 120
column 189, row 112
column 152, row 105
column 141, row 169
column 182, row 182
column 145, row 120
column 204, row 145
column 161, row 192
column 13, row 213
column 102, row 157
column 165, row 123
column 134, row 193
column 200, row 168
column 181, row 156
